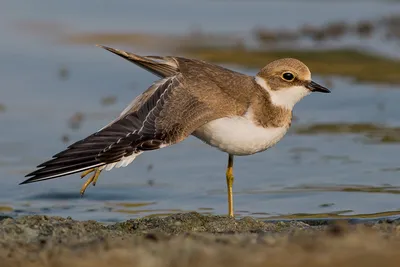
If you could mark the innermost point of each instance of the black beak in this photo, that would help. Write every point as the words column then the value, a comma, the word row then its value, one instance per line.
column 315, row 87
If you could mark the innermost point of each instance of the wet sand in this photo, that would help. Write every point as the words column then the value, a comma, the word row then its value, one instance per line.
column 192, row 239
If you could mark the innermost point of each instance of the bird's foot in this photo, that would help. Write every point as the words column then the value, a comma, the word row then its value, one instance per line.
column 92, row 180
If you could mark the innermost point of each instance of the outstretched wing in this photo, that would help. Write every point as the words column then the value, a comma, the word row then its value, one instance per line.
column 160, row 121
column 166, row 113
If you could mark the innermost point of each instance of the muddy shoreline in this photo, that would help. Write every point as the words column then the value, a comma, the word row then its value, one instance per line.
column 191, row 239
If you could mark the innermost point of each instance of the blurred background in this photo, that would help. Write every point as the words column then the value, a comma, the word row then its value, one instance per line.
column 340, row 158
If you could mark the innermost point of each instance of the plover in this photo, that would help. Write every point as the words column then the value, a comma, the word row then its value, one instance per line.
column 236, row 113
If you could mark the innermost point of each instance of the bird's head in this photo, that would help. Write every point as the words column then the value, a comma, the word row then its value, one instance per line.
column 287, row 81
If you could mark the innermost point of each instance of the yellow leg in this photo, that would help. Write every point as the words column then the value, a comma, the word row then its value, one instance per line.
column 96, row 177
column 86, row 172
column 92, row 180
column 229, row 184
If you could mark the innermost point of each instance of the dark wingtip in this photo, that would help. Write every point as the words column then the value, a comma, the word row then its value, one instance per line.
column 27, row 181
column 31, row 178
column 35, row 179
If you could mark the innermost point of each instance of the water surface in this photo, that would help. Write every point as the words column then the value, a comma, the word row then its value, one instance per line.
column 44, row 83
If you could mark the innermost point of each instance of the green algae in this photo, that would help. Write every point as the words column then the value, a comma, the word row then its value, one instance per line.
column 373, row 133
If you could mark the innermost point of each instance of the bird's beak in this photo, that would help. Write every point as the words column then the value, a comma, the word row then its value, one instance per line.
column 315, row 87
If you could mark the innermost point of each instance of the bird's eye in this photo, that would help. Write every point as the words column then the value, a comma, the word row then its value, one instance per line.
column 287, row 76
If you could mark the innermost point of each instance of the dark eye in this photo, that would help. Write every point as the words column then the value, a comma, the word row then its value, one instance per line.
column 288, row 76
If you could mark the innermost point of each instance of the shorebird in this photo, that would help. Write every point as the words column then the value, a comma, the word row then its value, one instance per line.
column 236, row 113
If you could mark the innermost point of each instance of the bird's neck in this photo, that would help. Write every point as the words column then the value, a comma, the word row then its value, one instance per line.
column 268, row 114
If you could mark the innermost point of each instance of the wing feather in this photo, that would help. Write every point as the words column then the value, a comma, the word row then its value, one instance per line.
column 166, row 113
column 159, row 66
column 131, row 133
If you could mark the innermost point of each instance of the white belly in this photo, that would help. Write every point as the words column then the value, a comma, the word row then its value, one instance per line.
column 239, row 135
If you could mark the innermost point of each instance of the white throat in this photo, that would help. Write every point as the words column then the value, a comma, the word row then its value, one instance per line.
column 287, row 97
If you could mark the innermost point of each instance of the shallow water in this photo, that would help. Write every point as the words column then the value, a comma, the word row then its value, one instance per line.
column 43, row 84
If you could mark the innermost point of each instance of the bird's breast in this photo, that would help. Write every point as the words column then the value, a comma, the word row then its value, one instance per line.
column 239, row 135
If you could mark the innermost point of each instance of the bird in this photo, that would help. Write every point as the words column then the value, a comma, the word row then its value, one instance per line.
column 236, row 113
